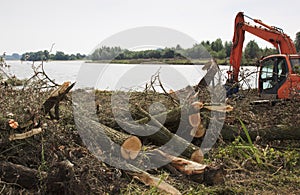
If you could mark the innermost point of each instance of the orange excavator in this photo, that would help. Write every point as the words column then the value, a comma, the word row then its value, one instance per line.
column 279, row 74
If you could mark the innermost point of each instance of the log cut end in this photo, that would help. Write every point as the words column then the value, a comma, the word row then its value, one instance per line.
column 198, row 131
column 131, row 147
column 197, row 105
column 195, row 119
column 197, row 156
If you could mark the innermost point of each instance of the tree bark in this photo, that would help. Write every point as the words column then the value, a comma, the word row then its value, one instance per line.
column 105, row 137
column 229, row 132
column 163, row 136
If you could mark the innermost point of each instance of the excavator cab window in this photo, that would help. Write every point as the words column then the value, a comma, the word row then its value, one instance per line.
column 295, row 65
column 272, row 75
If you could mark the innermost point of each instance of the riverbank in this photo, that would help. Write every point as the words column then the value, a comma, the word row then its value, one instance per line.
column 173, row 61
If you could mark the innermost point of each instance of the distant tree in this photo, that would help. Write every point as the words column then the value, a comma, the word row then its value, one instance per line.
column 72, row 57
column 297, row 42
column 252, row 50
column 168, row 53
column 61, row 56
column 221, row 54
column 80, row 56
column 217, row 45
column 268, row 51
column 46, row 55
column 227, row 47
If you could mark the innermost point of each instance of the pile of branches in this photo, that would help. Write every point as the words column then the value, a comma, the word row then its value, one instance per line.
column 29, row 119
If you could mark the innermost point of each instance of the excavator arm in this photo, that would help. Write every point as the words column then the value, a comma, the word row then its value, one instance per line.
column 273, row 35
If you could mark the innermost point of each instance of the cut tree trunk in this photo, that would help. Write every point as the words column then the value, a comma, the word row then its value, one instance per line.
column 105, row 137
column 188, row 116
column 98, row 134
column 163, row 136
column 171, row 118
column 229, row 132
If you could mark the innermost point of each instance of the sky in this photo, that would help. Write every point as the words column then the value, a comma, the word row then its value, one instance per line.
column 75, row 26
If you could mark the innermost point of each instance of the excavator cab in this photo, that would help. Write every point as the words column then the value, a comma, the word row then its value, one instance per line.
column 279, row 75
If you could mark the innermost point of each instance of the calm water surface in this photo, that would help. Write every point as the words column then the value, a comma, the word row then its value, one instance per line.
column 120, row 76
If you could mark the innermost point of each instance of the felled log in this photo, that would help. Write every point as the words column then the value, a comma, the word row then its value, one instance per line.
column 163, row 136
column 180, row 114
column 229, row 132
column 191, row 151
column 193, row 121
column 104, row 137
column 54, row 98
column 171, row 116
column 19, row 174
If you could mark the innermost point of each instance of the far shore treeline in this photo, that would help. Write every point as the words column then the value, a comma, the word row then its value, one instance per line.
column 179, row 55
column 45, row 55
column 217, row 49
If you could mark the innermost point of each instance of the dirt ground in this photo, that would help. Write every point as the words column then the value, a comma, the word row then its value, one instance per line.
column 258, row 167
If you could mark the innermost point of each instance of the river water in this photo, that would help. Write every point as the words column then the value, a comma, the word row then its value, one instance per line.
column 122, row 76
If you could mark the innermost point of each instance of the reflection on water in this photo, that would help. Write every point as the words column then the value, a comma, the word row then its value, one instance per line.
column 121, row 76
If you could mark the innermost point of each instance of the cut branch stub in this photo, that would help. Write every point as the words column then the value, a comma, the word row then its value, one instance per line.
column 226, row 108
column 131, row 147
column 55, row 97
column 25, row 135
column 197, row 105
column 197, row 156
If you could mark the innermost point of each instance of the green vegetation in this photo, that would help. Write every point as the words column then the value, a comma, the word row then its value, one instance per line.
column 45, row 55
